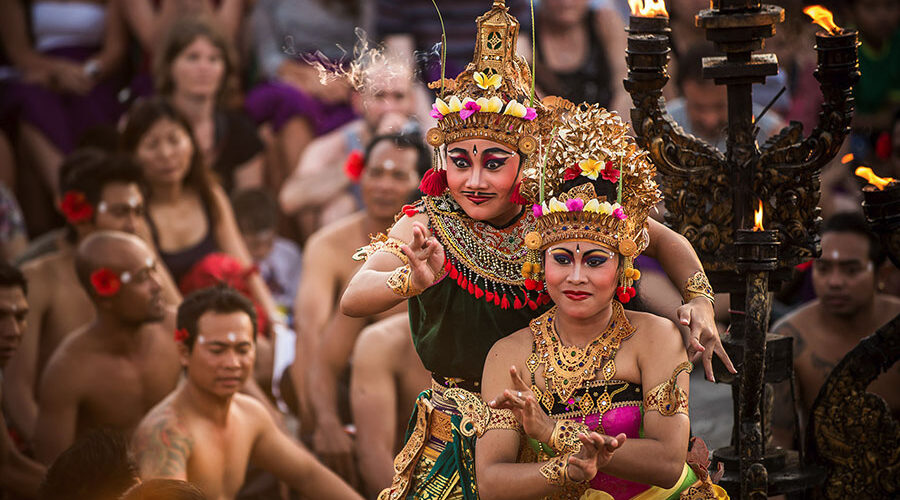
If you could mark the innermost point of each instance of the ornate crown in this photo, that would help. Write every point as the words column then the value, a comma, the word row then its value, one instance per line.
column 592, row 142
column 492, row 98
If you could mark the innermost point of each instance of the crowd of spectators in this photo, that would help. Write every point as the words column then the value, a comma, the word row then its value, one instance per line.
column 181, row 144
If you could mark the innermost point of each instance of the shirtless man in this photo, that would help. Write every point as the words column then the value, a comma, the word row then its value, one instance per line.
column 847, row 310
column 18, row 473
column 387, row 377
column 58, row 305
column 393, row 166
column 110, row 372
column 205, row 432
column 317, row 190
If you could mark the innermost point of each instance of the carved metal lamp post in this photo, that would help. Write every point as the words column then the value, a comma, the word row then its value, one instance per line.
column 710, row 196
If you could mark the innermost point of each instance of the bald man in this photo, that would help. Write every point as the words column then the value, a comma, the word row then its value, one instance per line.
column 110, row 372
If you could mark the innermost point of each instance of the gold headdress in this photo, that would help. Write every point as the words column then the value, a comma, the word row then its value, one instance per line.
column 492, row 99
column 593, row 142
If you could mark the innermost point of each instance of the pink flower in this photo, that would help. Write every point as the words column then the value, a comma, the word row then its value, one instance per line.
column 574, row 204
column 469, row 109
column 610, row 173
column 537, row 210
column 435, row 113
column 619, row 214
column 530, row 114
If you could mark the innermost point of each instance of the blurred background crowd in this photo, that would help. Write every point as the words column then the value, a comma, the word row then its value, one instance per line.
column 206, row 129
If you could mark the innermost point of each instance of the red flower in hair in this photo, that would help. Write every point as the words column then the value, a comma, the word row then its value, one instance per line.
column 355, row 165
column 181, row 335
column 610, row 173
column 75, row 207
column 105, row 282
column 572, row 172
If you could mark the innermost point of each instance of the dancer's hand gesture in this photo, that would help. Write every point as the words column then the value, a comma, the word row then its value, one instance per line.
column 524, row 405
column 426, row 257
column 596, row 452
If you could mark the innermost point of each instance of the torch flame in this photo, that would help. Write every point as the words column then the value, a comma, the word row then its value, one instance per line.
column 847, row 158
column 757, row 218
column 822, row 16
column 867, row 174
column 648, row 8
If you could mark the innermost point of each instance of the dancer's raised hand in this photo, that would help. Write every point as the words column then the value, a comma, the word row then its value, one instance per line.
column 426, row 257
column 524, row 405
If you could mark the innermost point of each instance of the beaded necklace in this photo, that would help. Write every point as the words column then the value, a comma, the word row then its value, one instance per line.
column 566, row 368
column 484, row 260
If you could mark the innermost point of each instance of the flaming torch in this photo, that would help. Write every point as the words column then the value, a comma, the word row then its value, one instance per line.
column 881, row 204
column 822, row 16
column 757, row 218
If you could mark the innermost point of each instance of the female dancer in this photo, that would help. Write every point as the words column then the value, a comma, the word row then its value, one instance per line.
column 590, row 367
column 469, row 233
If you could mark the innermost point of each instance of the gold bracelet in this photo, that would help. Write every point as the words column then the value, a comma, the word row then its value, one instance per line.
column 564, row 438
column 400, row 283
column 555, row 471
column 503, row 419
column 392, row 246
column 697, row 286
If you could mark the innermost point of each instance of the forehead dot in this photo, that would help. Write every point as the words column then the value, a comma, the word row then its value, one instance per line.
column 231, row 337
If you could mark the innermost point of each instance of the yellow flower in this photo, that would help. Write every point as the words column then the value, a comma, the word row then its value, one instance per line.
column 485, row 82
column 591, row 168
column 592, row 206
column 456, row 105
column 515, row 109
column 605, row 208
column 557, row 206
column 442, row 106
column 492, row 105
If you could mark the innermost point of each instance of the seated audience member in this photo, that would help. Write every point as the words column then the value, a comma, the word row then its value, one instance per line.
column 189, row 213
column 703, row 108
column 847, row 309
column 877, row 94
column 110, row 372
column 67, row 55
column 278, row 258
column 293, row 101
column 390, row 171
column 164, row 489
column 317, row 191
column 206, row 432
column 102, row 192
column 18, row 473
column 387, row 376
column 578, row 51
column 193, row 69
column 97, row 467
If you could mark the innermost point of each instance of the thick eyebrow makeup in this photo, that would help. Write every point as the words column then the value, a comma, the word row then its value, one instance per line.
column 458, row 151
column 499, row 151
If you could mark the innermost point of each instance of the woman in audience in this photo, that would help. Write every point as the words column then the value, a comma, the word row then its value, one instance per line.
column 194, row 69
column 189, row 213
column 65, row 56
column 578, row 52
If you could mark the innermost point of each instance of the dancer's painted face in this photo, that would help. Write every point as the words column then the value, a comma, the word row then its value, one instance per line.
column 581, row 277
column 481, row 175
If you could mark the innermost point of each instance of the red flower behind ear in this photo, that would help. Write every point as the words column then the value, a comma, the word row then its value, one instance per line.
column 181, row 335
column 105, row 282
column 75, row 207
column 355, row 165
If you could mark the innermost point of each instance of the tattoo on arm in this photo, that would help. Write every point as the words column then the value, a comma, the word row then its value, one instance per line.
column 788, row 330
column 163, row 449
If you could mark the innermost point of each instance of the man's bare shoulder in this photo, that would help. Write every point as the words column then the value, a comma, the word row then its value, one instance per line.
column 47, row 266
column 796, row 323
column 331, row 144
column 162, row 442
column 253, row 413
column 887, row 306
column 384, row 339
column 338, row 233
column 73, row 356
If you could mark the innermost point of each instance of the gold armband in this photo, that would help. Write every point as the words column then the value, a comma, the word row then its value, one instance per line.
column 697, row 286
column 564, row 438
column 400, row 283
column 382, row 243
column 503, row 419
column 555, row 471
column 667, row 398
